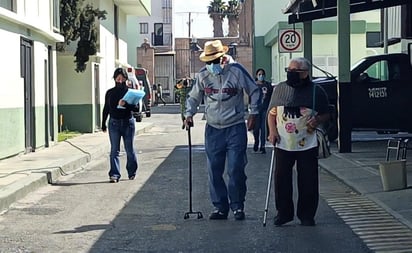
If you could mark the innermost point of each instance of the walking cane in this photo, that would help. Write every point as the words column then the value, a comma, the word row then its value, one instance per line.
column 187, row 214
column 272, row 163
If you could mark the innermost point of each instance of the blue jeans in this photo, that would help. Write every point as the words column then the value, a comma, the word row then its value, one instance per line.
column 230, row 143
column 259, row 131
column 119, row 128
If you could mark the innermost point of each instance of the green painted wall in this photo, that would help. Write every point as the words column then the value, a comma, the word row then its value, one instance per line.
column 12, row 131
column 261, row 57
column 77, row 117
column 12, row 134
column 40, row 122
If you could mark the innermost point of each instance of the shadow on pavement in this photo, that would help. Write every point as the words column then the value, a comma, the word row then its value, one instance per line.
column 153, row 220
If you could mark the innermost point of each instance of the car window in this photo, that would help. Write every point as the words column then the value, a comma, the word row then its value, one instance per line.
column 395, row 71
column 378, row 71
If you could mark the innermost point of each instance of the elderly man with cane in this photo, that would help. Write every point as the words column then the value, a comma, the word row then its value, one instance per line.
column 222, row 87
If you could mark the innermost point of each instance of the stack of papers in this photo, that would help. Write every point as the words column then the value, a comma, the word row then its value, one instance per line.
column 132, row 97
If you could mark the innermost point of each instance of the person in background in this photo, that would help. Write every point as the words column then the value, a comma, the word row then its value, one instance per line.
column 159, row 94
column 222, row 87
column 154, row 93
column 297, row 107
column 259, row 132
column 121, row 125
column 183, row 87
column 140, row 86
column 131, row 84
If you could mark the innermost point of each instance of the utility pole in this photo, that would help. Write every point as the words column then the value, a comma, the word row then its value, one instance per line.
column 190, row 19
column 190, row 24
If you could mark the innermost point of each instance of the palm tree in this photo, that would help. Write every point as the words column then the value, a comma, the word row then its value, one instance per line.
column 232, row 11
column 216, row 13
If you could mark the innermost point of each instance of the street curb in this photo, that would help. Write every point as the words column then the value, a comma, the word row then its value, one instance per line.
column 347, row 172
column 19, row 189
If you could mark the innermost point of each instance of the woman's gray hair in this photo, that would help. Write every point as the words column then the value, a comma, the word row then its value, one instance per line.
column 304, row 64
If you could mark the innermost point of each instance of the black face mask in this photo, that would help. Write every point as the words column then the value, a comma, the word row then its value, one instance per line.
column 118, row 84
column 293, row 80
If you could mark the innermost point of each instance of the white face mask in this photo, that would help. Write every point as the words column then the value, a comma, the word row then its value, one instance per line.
column 214, row 68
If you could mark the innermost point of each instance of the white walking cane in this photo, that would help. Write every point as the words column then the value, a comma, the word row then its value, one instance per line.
column 272, row 164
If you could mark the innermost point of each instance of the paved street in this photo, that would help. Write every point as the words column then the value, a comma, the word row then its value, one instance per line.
column 81, row 212
column 84, row 213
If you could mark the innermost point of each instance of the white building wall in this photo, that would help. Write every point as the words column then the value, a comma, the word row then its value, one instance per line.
column 155, row 17
column 31, row 21
column 123, row 38
column 107, row 62
column 10, row 70
column 135, row 39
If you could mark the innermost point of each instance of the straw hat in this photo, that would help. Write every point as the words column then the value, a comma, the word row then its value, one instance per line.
column 212, row 50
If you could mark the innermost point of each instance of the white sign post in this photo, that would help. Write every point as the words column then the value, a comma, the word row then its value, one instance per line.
column 290, row 40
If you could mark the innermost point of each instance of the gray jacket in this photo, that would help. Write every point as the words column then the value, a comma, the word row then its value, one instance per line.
column 224, row 96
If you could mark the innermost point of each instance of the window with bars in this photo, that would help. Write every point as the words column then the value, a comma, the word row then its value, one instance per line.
column 167, row 4
column 167, row 16
column 167, row 11
column 144, row 28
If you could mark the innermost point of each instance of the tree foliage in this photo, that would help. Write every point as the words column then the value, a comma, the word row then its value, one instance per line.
column 216, row 13
column 78, row 23
column 232, row 8
column 218, row 10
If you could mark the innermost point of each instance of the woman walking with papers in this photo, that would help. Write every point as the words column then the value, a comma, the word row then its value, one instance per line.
column 121, row 124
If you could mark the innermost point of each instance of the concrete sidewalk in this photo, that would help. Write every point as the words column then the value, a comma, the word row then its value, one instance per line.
column 360, row 170
column 23, row 174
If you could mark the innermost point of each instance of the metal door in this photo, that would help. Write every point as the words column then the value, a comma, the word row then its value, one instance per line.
column 26, row 71
column 96, row 84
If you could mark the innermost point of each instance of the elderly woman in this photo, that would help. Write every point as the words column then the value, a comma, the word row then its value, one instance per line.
column 297, row 107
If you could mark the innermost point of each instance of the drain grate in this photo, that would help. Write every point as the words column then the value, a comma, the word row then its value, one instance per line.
column 380, row 231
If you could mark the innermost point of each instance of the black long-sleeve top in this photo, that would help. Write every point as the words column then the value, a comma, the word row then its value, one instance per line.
column 111, row 102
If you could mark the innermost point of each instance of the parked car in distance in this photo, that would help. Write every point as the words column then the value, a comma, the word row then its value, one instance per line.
column 142, row 82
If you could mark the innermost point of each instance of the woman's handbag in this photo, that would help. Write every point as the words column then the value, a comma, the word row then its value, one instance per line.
column 321, row 135
column 323, row 143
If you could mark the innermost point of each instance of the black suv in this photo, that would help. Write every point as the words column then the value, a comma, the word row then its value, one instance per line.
column 142, row 83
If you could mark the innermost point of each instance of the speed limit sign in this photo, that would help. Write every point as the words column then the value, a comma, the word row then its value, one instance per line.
column 290, row 40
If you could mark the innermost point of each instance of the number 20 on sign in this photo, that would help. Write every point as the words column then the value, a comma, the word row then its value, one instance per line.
column 290, row 40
